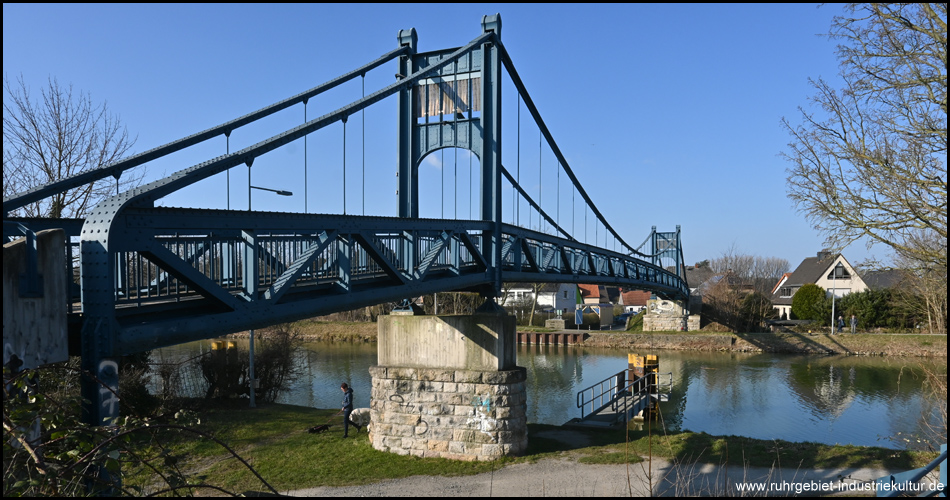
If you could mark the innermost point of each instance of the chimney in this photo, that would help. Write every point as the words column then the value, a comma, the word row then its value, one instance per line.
column 823, row 254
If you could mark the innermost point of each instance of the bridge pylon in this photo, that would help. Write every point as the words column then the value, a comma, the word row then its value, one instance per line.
column 459, row 106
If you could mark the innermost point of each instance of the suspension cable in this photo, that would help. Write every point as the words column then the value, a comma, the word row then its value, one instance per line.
column 455, row 176
column 227, row 151
column 344, row 165
column 471, row 182
column 363, row 139
column 540, row 220
column 442, row 152
column 305, row 158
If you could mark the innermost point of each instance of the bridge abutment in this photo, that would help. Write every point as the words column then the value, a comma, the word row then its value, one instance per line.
column 669, row 316
column 447, row 386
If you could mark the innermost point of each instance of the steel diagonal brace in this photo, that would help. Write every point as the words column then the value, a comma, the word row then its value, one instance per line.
column 426, row 264
column 568, row 263
column 506, row 248
column 162, row 279
column 549, row 254
column 591, row 263
column 526, row 250
column 474, row 250
column 289, row 277
column 389, row 267
column 174, row 265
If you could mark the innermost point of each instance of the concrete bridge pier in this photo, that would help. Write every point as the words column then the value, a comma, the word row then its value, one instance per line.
column 447, row 386
column 671, row 316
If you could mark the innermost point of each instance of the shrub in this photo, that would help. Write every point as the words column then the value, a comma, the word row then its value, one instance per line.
column 807, row 303
column 228, row 371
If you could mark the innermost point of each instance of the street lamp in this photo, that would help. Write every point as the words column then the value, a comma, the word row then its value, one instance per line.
column 278, row 191
column 835, row 272
column 253, row 381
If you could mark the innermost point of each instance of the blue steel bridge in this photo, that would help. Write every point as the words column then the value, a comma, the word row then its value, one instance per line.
column 153, row 276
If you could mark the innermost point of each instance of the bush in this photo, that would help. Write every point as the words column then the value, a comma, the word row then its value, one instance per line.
column 590, row 321
column 227, row 371
column 807, row 303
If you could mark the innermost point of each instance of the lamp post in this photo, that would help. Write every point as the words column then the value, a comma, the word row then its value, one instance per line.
column 834, row 286
column 253, row 381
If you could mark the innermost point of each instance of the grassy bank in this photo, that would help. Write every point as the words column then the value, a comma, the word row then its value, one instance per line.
column 873, row 344
column 273, row 439
column 866, row 344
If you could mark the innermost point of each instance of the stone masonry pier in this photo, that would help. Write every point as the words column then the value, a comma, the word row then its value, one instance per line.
column 447, row 386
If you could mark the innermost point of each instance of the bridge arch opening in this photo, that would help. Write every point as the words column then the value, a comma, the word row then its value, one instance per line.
column 449, row 184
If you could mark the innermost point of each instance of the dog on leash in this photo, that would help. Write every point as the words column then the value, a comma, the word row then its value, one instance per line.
column 318, row 429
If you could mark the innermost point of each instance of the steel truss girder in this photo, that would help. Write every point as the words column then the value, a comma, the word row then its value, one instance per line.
column 317, row 264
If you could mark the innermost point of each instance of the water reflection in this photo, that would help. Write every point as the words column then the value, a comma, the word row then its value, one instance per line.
column 854, row 400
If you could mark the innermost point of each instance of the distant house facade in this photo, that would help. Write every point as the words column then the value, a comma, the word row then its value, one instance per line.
column 832, row 272
column 634, row 300
column 551, row 295
column 593, row 294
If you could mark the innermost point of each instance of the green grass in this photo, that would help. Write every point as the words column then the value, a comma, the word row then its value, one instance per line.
column 274, row 440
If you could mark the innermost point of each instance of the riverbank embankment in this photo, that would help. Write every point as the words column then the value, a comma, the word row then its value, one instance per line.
column 861, row 344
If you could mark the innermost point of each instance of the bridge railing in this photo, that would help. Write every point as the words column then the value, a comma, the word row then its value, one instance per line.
column 600, row 395
column 613, row 392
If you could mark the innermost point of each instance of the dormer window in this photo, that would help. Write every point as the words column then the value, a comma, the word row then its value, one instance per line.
column 839, row 273
column 785, row 292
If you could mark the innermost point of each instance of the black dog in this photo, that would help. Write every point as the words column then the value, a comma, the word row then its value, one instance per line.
column 318, row 428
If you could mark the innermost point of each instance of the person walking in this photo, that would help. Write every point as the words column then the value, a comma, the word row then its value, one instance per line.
column 840, row 324
column 854, row 324
column 347, row 409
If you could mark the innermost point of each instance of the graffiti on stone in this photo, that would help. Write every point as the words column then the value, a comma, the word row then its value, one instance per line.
column 481, row 418
column 406, row 405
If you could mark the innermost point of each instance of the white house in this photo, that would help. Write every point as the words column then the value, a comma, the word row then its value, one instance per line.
column 551, row 296
column 830, row 271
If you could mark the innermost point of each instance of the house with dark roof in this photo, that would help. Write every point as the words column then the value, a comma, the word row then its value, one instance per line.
column 832, row 272
column 879, row 280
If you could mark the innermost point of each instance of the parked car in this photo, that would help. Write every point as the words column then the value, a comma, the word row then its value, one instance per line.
column 622, row 319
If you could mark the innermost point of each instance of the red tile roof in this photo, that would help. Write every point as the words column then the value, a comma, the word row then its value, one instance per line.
column 589, row 291
column 635, row 297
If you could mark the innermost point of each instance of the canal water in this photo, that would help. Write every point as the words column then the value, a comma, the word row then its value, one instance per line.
column 865, row 401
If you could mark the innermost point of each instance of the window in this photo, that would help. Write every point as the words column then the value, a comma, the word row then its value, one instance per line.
column 785, row 292
column 839, row 273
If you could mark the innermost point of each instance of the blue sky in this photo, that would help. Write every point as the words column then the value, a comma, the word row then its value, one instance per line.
column 668, row 114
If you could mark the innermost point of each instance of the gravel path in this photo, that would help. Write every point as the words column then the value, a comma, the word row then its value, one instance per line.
column 567, row 477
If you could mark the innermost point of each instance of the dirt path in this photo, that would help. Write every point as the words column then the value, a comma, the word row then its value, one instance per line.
column 558, row 477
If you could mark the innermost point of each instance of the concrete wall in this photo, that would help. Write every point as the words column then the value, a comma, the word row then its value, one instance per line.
column 464, row 342
column 34, row 329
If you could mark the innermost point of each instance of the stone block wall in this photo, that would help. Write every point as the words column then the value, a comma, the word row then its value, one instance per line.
column 455, row 414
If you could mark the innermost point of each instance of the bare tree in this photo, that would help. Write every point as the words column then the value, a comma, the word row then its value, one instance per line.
column 57, row 136
column 872, row 164
column 924, row 289
column 750, row 271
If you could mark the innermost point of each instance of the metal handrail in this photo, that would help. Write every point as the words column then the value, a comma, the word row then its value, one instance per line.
column 609, row 392
column 660, row 387
column 912, row 476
